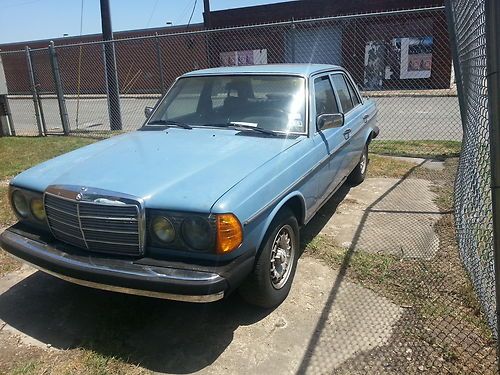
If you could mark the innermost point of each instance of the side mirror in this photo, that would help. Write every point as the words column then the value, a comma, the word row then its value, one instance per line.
column 148, row 111
column 330, row 121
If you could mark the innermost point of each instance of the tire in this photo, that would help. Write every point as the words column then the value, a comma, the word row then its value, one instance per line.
column 262, row 287
column 358, row 174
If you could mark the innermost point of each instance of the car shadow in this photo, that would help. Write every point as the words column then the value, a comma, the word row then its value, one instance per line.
column 159, row 335
column 324, row 214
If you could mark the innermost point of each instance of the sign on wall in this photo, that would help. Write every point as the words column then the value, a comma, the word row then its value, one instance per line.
column 415, row 55
column 248, row 57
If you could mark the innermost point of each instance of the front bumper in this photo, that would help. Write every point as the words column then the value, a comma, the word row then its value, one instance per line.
column 147, row 277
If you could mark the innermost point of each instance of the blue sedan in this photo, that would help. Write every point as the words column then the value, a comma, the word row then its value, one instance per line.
column 208, row 196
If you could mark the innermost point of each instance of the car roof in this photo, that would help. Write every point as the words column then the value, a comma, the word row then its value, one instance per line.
column 304, row 70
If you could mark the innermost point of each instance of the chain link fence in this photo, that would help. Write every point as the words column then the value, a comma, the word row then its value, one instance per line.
column 401, row 59
column 421, row 302
column 473, row 204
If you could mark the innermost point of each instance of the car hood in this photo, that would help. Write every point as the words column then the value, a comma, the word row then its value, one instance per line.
column 176, row 169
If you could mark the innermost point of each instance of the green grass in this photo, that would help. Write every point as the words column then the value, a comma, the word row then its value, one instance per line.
column 74, row 362
column 20, row 153
column 26, row 368
column 6, row 214
column 365, row 266
column 383, row 166
column 424, row 149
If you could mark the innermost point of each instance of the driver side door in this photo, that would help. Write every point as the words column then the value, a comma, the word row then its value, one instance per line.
column 325, row 102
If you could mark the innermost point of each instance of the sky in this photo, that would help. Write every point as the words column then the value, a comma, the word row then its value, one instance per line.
column 23, row 20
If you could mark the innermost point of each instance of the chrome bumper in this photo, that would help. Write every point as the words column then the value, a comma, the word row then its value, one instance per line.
column 115, row 275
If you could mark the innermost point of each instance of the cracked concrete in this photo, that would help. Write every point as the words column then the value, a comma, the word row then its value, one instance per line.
column 383, row 215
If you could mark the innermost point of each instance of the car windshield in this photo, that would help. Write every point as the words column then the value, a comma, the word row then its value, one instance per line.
column 274, row 103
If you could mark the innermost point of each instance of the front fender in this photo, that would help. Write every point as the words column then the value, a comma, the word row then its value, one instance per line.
column 277, row 207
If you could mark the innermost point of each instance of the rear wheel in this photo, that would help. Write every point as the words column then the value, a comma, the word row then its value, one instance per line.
column 358, row 174
column 271, row 279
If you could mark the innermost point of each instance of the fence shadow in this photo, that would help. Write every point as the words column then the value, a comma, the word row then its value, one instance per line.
column 305, row 365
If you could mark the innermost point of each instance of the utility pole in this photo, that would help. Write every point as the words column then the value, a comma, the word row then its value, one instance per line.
column 113, row 90
column 207, row 20
column 206, row 14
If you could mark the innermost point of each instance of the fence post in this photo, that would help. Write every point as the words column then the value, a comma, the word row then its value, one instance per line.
column 56, row 73
column 293, row 40
column 159, row 61
column 492, row 13
column 33, row 91
column 5, row 114
column 450, row 18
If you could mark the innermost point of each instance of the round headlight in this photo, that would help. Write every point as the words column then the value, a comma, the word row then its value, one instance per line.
column 196, row 231
column 163, row 229
column 37, row 209
column 20, row 203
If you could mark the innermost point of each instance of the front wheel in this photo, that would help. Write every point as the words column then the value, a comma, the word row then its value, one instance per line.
column 271, row 279
column 358, row 174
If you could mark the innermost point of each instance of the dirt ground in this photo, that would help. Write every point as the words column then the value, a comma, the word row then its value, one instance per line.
column 363, row 302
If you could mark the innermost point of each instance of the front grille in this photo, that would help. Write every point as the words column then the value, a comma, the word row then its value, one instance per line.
column 96, row 227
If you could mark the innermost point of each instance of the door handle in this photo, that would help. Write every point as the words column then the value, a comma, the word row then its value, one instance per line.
column 347, row 133
column 365, row 118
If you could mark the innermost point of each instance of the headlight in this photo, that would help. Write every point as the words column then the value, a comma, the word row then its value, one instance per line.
column 197, row 232
column 20, row 204
column 37, row 209
column 163, row 229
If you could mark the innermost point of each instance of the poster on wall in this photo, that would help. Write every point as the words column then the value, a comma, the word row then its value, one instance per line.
column 374, row 65
column 415, row 56
column 248, row 57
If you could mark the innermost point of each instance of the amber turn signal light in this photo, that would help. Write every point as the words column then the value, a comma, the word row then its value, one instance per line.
column 229, row 233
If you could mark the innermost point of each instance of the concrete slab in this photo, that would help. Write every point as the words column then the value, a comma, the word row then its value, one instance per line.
column 385, row 215
column 325, row 321
column 432, row 164
column 407, row 159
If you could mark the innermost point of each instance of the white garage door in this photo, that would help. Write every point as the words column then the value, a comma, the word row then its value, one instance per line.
column 319, row 45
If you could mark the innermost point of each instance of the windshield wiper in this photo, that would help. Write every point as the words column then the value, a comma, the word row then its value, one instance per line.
column 170, row 123
column 243, row 126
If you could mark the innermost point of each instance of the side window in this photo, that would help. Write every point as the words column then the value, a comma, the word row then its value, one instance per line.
column 352, row 91
column 343, row 92
column 324, row 97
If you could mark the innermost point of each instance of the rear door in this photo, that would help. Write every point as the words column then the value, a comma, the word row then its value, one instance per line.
column 351, row 106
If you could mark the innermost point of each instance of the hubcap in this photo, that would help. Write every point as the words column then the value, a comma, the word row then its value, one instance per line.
column 362, row 163
column 282, row 257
